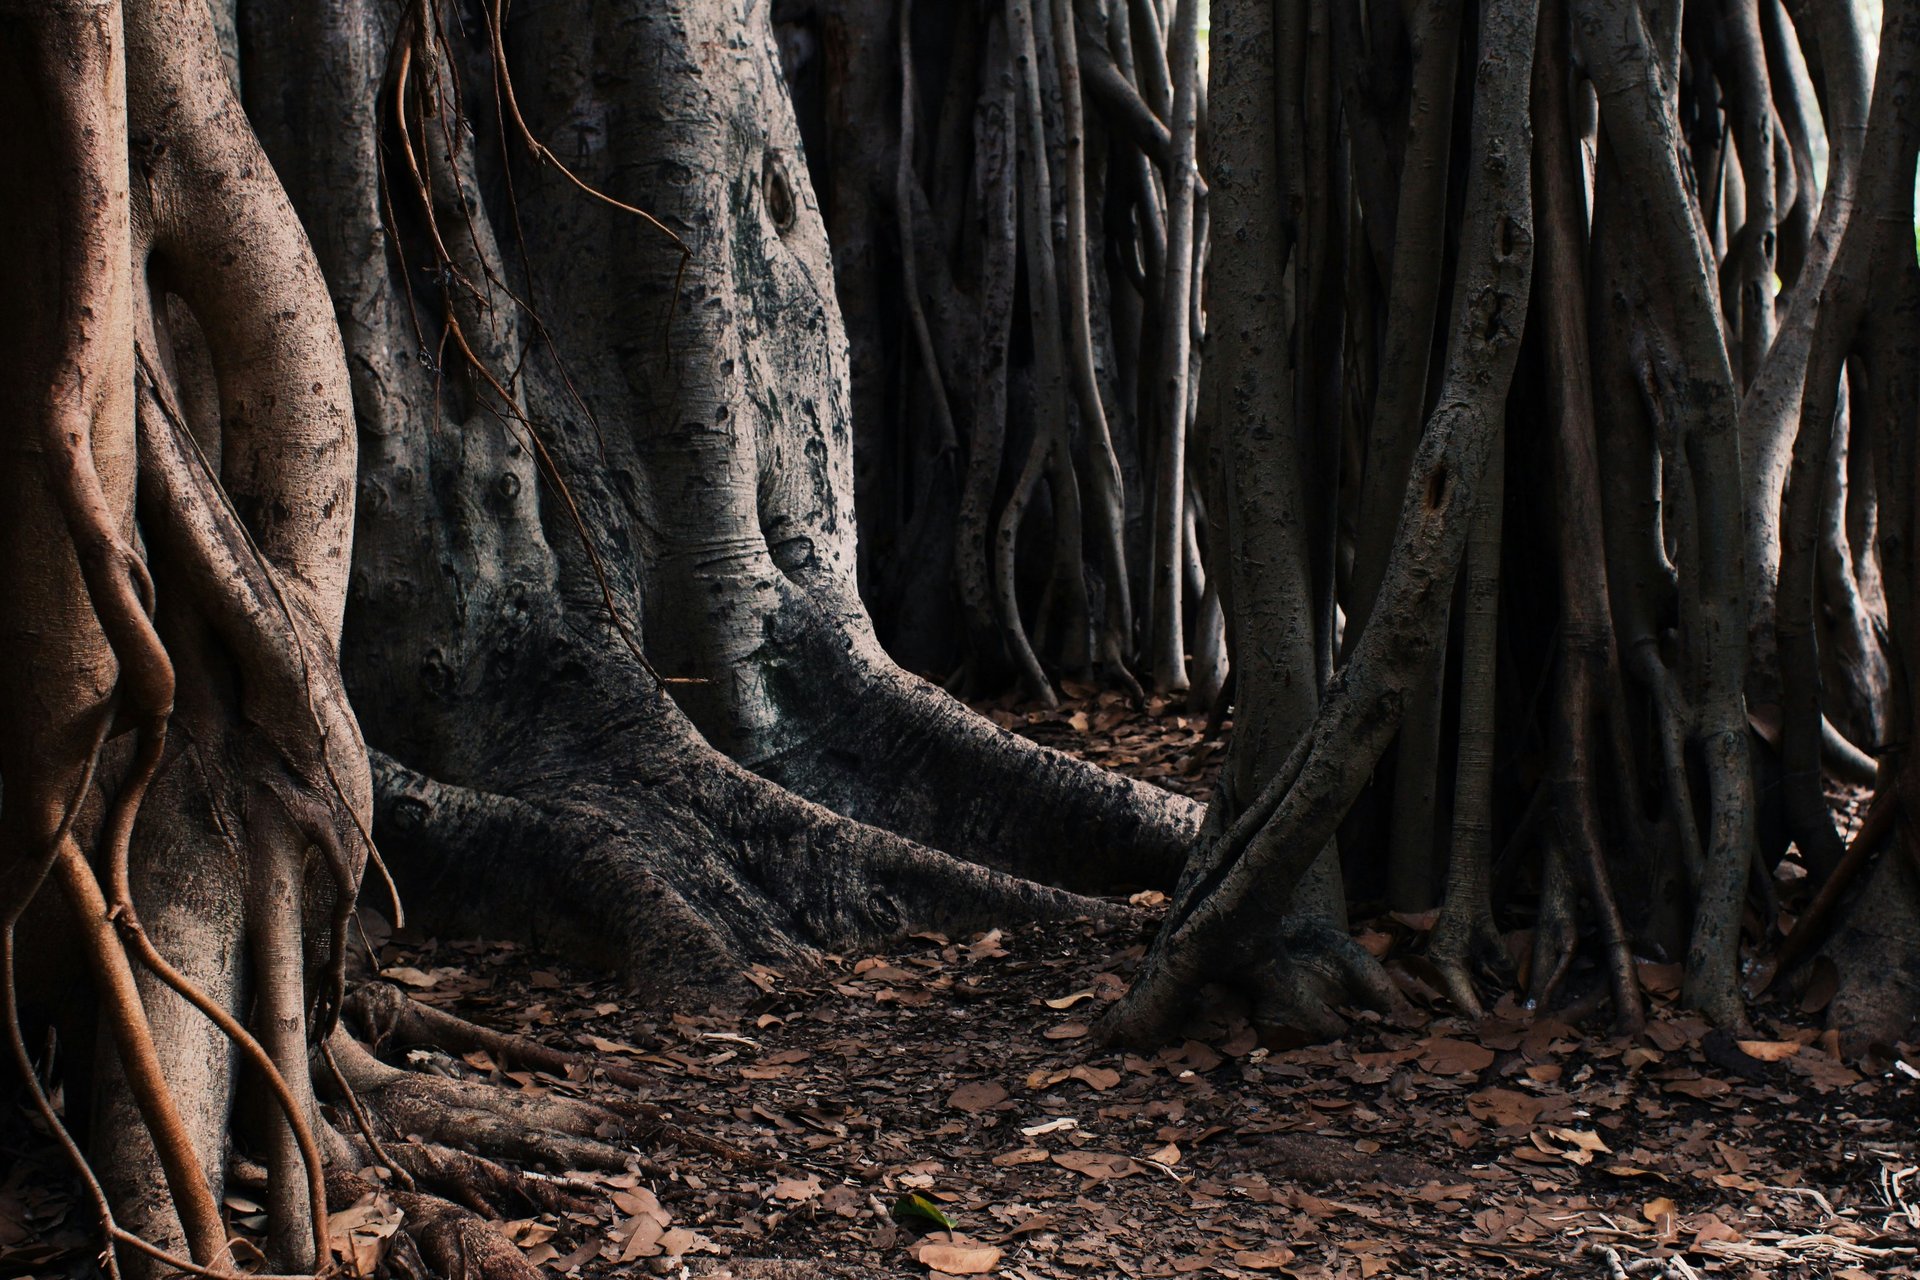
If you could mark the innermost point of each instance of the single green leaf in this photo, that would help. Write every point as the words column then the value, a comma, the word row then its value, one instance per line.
column 915, row 1210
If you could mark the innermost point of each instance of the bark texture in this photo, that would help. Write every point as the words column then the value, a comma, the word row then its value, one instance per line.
column 593, row 433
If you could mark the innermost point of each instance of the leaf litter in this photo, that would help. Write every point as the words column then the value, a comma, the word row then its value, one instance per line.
column 947, row 1122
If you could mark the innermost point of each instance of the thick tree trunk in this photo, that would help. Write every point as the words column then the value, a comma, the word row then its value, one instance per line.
column 1281, row 832
column 592, row 443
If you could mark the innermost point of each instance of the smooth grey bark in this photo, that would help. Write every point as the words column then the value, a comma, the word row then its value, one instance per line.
column 1870, row 303
column 1304, row 965
column 1699, row 418
column 1281, row 832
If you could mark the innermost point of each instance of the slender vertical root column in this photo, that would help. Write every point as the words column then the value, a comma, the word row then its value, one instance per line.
column 1465, row 932
column 1106, row 493
column 1755, row 141
column 1556, row 927
column 1166, row 623
column 1413, row 297
column 1856, row 680
column 1416, row 784
column 996, row 169
column 1210, row 658
column 903, row 202
column 279, row 960
column 1577, row 837
column 1587, row 671
column 1809, row 818
column 1049, row 434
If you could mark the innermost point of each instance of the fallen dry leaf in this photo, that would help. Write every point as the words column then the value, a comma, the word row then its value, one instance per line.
column 1583, row 1139
column 796, row 1188
column 1505, row 1106
column 1024, row 1155
column 1263, row 1259
column 412, row 977
column 360, row 1234
column 1054, row 1125
column 1445, row 1057
column 1097, row 1164
column 955, row 1255
column 976, row 1096
column 1100, row 1078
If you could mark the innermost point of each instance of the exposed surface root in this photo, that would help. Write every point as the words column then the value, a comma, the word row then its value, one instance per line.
column 1466, row 953
column 1314, row 971
column 886, row 748
column 442, row 1238
column 565, row 1133
column 684, row 872
column 394, row 1020
column 485, row 1186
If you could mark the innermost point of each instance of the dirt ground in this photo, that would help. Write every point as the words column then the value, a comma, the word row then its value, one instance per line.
column 954, row 1078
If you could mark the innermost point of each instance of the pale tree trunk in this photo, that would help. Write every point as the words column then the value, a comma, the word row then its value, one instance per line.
column 705, row 443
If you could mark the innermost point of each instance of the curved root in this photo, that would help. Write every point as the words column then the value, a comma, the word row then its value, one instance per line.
column 1465, row 951
column 1318, row 970
column 450, row 1240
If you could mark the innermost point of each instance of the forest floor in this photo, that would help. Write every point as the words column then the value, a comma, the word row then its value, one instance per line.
column 956, row 1075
